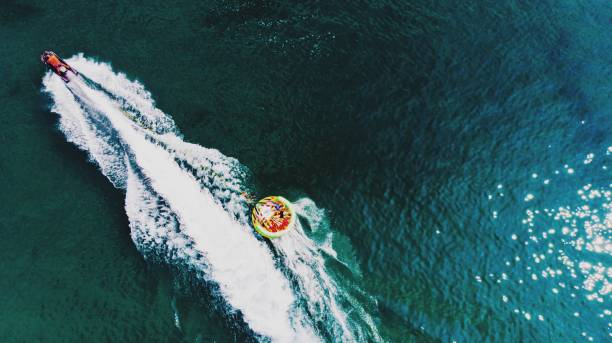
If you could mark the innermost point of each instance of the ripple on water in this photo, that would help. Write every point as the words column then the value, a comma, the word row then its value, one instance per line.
column 562, row 248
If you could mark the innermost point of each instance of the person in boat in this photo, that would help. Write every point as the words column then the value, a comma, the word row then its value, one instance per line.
column 51, row 59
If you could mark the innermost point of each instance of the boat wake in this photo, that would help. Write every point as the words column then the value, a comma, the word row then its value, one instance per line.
column 185, row 208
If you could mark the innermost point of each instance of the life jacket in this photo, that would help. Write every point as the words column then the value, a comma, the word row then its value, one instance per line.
column 54, row 61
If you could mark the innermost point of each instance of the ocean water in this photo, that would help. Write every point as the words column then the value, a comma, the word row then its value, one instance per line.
column 450, row 162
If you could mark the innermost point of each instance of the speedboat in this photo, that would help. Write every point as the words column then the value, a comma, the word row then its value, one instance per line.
column 59, row 66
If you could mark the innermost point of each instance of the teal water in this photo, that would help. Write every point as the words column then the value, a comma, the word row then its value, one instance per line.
column 400, row 119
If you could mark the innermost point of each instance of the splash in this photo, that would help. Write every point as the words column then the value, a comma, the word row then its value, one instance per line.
column 327, row 301
column 185, row 208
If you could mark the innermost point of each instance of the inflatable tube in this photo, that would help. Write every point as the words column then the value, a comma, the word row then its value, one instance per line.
column 273, row 216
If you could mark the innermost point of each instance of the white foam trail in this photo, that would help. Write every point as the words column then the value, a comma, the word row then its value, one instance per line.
column 168, row 207
column 131, row 94
column 185, row 206
column 305, row 259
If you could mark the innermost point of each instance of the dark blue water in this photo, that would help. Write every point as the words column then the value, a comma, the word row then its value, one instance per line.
column 446, row 141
